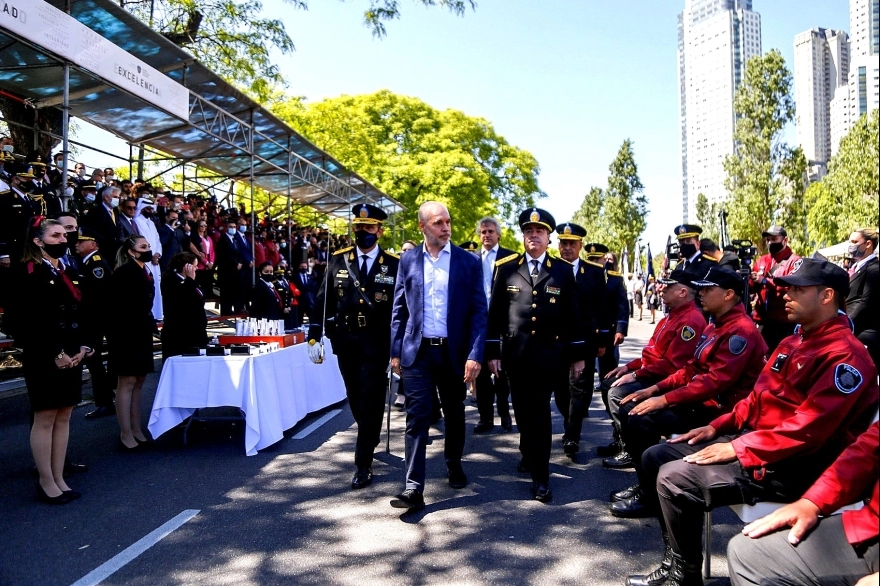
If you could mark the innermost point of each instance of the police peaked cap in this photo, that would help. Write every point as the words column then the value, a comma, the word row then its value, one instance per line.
column 687, row 231
column 570, row 231
column 537, row 216
column 470, row 246
column 364, row 213
column 595, row 249
column 87, row 234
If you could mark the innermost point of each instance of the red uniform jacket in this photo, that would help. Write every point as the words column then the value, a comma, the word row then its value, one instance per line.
column 819, row 389
column 771, row 305
column 725, row 365
column 849, row 480
column 672, row 344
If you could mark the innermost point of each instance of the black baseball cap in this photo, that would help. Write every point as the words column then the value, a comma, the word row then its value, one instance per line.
column 807, row 272
column 679, row 276
column 774, row 230
column 720, row 277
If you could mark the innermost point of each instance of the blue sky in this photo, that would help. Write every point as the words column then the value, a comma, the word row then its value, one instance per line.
column 567, row 80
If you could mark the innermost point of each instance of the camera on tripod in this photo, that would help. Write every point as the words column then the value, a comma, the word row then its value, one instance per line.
column 745, row 251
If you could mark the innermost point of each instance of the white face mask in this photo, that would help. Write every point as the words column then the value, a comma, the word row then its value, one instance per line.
column 8, row 148
column 99, row 184
column 80, row 172
column 90, row 197
column 114, row 202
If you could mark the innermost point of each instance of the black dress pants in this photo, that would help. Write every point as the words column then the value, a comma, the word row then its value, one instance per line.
column 530, row 389
column 489, row 390
column 366, row 381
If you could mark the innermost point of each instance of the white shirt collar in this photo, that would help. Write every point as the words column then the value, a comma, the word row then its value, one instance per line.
column 493, row 249
column 540, row 259
column 864, row 261
column 370, row 255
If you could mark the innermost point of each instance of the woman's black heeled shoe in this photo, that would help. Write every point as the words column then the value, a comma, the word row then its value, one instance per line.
column 72, row 494
column 147, row 442
column 125, row 448
column 61, row 499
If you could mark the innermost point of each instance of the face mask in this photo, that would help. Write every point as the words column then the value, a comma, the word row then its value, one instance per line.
column 775, row 247
column 242, row 229
column 855, row 251
column 72, row 238
column 282, row 245
column 114, row 202
column 268, row 278
column 609, row 266
column 99, row 184
column 56, row 250
column 147, row 213
column 145, row 256
column 687, row 249
column 8, row 148
column 364, row 239
column 90, row 197
column 304, row 271
column 80, row 172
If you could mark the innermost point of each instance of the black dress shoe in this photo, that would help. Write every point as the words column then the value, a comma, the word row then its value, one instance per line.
column 362, row 478
column 457, row 477
column 135, row 448
column 570, row 447
column 619, row 460
column 71, row 468
column 409, row 499
column 506, row 423
column 72, row 494
column 678, row 573
column 483, row 427
column 541, row 492
column 61, row 499
column 101, row 412
column 626, row 493
column 523, row 467
column 609, row 450
column 633, row 508
column 658, row 576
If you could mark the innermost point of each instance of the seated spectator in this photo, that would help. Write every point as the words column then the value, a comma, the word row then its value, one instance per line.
column 836, row 549
column 266, row 303
column 814, row 397
column 723, row 370
column 184, row 327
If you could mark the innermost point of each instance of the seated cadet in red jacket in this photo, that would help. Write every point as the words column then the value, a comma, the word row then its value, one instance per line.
column 839, row 549
column 816, row 394
column 723, row 369
column 670, row 347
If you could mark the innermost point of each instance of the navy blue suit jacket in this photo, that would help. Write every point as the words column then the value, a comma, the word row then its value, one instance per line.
column 467, row 310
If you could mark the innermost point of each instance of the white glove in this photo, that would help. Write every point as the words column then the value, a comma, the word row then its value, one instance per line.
column 316, row 353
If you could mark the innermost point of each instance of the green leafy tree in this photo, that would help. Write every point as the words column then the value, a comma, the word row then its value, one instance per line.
column 616, row 216
column 707, row 218
column 765, row 176
column 415, row 153
column 847, row 198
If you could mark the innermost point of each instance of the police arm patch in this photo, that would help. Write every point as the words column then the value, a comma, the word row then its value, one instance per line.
column 687, row 333
column 847, row 378
column 98, row 272
column 737, row 344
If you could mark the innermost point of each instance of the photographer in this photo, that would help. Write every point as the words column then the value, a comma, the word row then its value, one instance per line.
column 769, row 306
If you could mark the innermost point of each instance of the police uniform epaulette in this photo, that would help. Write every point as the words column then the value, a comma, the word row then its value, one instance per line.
column 595, row 264
column 96, row 257
column 392, row 255
column 615, row 273
column 563, row 260
column 344, row 250
column 505, row 259
column 712, row 258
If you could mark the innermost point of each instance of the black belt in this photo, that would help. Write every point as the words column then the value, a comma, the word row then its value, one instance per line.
column 434, row 341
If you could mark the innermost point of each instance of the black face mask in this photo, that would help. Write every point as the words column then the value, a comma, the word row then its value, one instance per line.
column 268, row 278
column 147, row 213
column 145, row 256
column 56, row 250
column 609, row 266
column 72, row 238
column 687, row 250
column 775, row 247
column 364, row 239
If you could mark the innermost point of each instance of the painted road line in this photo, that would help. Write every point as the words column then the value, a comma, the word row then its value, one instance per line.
column 112, row 565
column 317, row 424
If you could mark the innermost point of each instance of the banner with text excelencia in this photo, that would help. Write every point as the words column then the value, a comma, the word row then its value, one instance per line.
column 46, row 26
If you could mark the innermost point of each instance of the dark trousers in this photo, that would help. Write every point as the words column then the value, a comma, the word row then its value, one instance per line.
column 824, row 558
column 489, row 390
column 609, row 361
column 102, row 384
column 366, row 380
column 613, row 396
column 432, row 369
column 231, row 298
column 530, row 389
column 574, row 403
column 686, row 491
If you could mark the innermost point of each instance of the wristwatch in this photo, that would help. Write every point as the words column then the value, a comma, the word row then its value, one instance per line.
column 60, row 355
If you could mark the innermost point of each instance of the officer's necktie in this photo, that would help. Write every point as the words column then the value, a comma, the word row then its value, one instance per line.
column 363, row 266
column 534, row 270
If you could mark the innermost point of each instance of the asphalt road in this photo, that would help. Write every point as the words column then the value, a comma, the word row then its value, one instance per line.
column 288, row 516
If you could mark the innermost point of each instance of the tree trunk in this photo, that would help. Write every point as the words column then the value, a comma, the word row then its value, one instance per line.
column 48, row 120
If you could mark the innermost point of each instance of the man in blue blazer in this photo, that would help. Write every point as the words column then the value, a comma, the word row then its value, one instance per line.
column 438, row 329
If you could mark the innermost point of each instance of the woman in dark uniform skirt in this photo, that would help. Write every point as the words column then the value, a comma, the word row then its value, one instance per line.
column 130, row 337
column 46, row 325
column 183, row 305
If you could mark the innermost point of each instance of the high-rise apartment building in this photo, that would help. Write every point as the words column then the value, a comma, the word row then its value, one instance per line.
column 715, row 39
column 821, row 65
column 861, row 94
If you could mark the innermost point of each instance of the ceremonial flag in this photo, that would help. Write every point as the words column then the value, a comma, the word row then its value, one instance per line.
column 624, row 262
column 650, row 264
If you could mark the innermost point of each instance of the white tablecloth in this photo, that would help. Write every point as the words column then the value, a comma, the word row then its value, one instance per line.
column 275, row 390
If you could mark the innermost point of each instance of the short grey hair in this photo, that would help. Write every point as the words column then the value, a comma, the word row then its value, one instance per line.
column 488, row 220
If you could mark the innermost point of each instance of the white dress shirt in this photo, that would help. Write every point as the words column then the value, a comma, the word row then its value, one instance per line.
column 436, row 288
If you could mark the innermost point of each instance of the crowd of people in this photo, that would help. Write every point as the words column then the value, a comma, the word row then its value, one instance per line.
column 736, row 398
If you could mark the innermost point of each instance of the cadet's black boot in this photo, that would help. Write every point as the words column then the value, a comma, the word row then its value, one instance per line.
column 611, row 449
column 659, row 575
column 684, row 574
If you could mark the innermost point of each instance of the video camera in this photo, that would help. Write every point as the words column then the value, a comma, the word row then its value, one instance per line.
column 673, row 251
column 746, row 251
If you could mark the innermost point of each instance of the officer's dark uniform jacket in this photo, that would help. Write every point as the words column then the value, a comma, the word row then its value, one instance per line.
column 94, row 282
column 816, row 393
column 55, row 327
column 616, row 313
column 591, row 293
column 672, row 344
column 16, row 209
column 698, row 266
column 724, row 366
column 358, row 306
column 539, row 324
